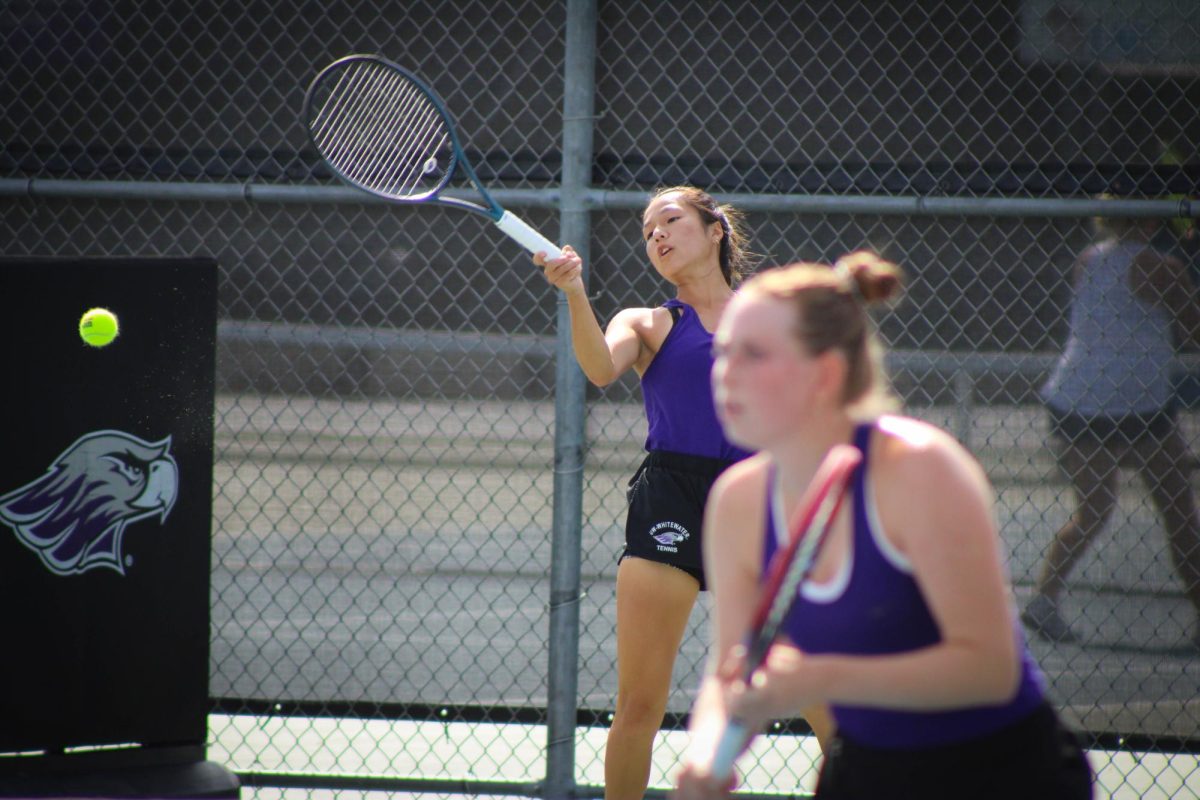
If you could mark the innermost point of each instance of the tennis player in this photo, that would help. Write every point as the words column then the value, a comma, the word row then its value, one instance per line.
column 698, row 247
column 907, row 628
column 1111, row 404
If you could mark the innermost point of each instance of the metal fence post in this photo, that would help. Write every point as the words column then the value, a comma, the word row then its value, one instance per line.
column 569, row 409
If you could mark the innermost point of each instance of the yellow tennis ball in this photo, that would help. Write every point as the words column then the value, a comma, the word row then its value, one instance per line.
column 98, row 327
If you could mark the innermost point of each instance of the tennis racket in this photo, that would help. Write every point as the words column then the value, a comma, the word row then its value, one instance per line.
column 383, row 130
column 789, row 569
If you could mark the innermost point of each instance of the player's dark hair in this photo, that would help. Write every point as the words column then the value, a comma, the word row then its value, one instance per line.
column 735, row 257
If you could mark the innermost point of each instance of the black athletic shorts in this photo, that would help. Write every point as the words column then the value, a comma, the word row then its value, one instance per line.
column 1034, row 757
column 1111, row 431
column 666, row 508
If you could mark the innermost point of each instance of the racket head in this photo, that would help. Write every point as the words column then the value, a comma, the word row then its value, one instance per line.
column 381, row 129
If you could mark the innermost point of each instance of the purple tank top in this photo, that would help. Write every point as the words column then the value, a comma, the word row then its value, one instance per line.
column 877, row 608
column 677, row 392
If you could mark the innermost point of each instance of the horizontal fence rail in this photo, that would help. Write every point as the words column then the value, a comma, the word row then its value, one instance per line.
column 1182, row 208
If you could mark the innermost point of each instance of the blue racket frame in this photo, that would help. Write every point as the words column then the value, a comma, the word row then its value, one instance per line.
column 509, row 223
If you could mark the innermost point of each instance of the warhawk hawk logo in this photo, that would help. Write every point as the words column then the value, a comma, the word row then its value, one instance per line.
column 668, row 535
column 74, row 516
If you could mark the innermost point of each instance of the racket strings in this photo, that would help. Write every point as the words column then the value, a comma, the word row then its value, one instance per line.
column 401, row 114
column 391, row 127
column 380, row 130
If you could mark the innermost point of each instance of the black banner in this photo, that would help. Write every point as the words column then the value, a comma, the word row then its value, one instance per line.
column 106, row 503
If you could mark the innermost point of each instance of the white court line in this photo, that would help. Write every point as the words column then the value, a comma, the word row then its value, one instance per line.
column 489, row 752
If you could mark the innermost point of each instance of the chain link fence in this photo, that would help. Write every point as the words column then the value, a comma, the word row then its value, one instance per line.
column 388, row 459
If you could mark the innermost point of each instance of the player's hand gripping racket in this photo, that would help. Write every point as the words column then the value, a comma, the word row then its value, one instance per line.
column 789, row 569
column 383, row 130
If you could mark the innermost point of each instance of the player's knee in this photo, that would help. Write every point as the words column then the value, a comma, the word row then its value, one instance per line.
column 639, row 710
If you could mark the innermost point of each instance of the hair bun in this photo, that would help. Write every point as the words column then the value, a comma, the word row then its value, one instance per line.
column 871, row 277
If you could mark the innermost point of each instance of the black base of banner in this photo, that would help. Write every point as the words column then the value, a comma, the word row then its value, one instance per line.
column 195, row 779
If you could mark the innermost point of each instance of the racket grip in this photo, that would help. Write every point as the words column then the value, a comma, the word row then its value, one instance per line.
column 733, row 740
column 526, row 236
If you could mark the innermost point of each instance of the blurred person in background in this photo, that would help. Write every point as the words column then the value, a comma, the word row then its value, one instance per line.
column 1112, row 402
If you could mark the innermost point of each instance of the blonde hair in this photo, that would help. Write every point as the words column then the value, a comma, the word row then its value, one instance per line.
column 831, row 307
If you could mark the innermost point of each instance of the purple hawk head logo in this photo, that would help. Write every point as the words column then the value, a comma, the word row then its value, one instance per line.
column 75, row 515
column 668, row 533
column 669, row 537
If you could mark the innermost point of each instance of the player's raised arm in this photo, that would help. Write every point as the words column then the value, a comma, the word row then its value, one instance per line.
column 602, row 355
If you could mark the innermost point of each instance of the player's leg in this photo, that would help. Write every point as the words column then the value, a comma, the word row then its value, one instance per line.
column 820, row 719
column 1092, row 469
column 1167, row 473
column 654, row 602
column 1094, row 474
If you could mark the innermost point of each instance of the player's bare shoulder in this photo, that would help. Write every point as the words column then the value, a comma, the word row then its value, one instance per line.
column 650, row 325
column 736, row 507
column 915, row 458
column 740, row 490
